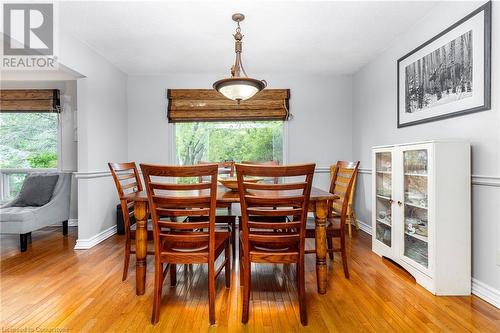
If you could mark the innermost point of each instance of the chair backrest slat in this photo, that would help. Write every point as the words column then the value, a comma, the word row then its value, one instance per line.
column 274, row 212
column 267, row 186
column 276, row 238
column 271, row 225
column 168, row 199
column 182, row 187
column 171, row 212
column 261, row 204
column 273, row 201
column 126, row 176
column 181, row 201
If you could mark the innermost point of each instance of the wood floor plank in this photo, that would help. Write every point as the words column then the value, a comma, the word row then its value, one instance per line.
column 53, row 286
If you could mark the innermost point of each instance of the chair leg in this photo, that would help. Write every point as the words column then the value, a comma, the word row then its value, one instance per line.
column 227, row 267
column 246, row 290
column 233, row 236
column 329, row 242
column 24, row 241
column 302, row 292
column 211, row 292
column 344, row 253
column 65, row 227
column 349, row 226
column 353, row 218
column 240, row 255
column 173, row 275
column 126, row 258
column 157, row 293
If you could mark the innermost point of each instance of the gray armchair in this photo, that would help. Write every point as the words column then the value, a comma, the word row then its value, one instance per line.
column 24, row 220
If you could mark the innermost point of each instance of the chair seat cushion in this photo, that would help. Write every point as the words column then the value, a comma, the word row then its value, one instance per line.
column 19, row 220
column 17, row 214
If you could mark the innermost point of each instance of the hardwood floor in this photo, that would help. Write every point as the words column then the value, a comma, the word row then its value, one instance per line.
column 51, row 286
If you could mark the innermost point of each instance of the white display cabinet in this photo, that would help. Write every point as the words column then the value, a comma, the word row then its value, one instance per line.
column 421, row 214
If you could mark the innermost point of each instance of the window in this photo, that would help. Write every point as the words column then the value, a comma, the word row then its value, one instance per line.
column 237, row 141
column 28, row 141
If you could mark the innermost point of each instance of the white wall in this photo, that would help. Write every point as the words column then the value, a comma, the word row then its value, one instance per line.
column 68, row 147
column 375, row 123
column 320, row 130
column 102, row 137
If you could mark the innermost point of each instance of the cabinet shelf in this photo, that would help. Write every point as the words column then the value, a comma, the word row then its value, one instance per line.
column 385, row 172
column 417, row 236
column 415, row 205
column 387, row 223
column 415, row 174
column 383, row 197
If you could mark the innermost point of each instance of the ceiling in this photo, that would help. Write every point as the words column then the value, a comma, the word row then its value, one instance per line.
column 280, row 36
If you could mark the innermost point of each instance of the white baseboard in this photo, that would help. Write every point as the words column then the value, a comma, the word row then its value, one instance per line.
column 486, row 292
column 85, row 244
column 480, row 289
column 365, row 227
column 73, row 223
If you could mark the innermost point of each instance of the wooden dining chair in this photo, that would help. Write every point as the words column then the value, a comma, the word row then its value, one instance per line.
column 340, row 185
column 127, row 180
column 269, row 241
column 351, row 214
column 224, row 215
column 185, row 242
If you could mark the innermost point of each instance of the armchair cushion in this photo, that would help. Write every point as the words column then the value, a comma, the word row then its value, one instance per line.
column 36, row 191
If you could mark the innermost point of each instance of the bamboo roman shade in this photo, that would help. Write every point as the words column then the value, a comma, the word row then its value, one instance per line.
column 193, row 105
column 30, row 100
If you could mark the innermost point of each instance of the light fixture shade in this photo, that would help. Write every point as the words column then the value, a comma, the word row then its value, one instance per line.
column 239, row 88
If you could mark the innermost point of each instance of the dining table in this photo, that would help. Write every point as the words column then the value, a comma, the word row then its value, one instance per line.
column 318, row 203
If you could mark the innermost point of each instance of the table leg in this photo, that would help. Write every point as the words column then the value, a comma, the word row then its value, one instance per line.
column 320, row 215
column 141, row 245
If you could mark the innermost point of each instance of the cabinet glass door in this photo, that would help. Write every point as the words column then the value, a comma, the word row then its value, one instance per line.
column 416, row 245
column 384, row 197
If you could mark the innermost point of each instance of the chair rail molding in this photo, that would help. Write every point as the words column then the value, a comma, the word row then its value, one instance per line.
column 91, row 174
column 480, row 180
column 105, row 173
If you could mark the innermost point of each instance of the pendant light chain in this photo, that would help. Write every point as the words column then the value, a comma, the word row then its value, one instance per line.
column 238, row 48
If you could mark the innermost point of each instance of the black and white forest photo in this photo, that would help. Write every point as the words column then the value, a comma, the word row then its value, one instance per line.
column 440, row 77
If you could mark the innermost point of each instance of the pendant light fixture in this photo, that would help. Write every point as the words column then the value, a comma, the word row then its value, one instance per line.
column 239, row 86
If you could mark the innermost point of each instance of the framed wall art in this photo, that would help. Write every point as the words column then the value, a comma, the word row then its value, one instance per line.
column 449, row 75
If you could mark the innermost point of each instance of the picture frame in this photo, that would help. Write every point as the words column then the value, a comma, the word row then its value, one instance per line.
column 449, row 75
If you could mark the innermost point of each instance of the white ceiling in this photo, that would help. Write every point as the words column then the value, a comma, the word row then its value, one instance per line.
column 280, row 36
